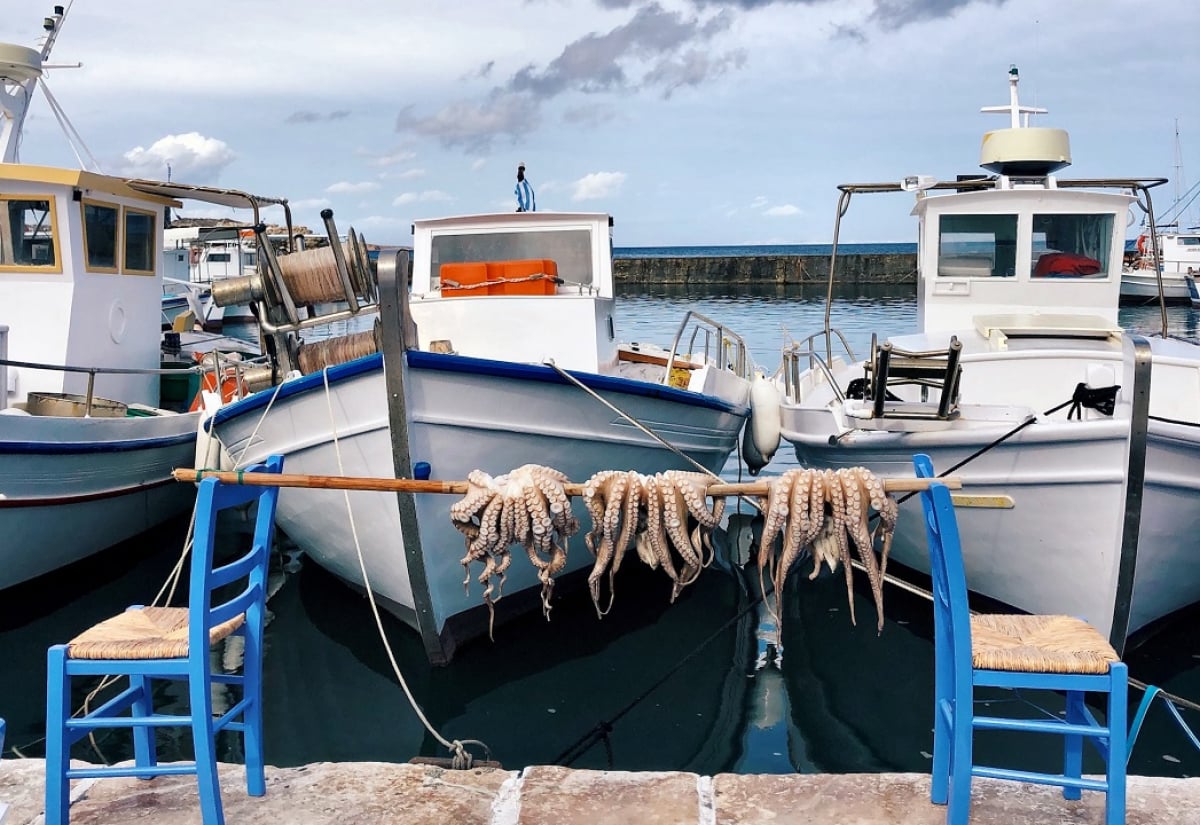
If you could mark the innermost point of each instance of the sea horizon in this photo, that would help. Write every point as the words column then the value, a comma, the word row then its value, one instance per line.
column 752, row 250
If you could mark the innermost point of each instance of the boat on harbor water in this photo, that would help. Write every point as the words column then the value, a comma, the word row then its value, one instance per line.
column 94, row 402
column 1078, row 443
column 505, row 354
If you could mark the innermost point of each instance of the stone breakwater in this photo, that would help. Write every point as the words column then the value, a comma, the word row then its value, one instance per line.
column 773, row 270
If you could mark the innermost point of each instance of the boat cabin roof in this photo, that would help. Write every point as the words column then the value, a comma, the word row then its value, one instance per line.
column 81, row 179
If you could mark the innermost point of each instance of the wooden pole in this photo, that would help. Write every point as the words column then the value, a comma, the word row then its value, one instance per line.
column 409, row 485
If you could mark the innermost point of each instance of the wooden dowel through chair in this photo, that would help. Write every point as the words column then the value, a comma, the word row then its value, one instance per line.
column 409, row 485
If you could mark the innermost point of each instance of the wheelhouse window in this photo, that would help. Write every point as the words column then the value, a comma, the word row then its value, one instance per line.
column 570, row 249
column 977, row 246
column 100, row 236
column 1071, row 246
column 27, row 236
column 139, row 242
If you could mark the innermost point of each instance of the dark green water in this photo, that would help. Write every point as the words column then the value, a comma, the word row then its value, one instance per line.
column 652, row 686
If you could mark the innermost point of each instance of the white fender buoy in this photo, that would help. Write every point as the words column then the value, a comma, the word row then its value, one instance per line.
column 766, row 418
column 750, row 454
column 760, row 436
column 209, row 452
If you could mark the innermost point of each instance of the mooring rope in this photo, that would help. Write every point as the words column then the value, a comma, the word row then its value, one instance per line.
column 639, row 425
column 604, row 727
column 462, row 758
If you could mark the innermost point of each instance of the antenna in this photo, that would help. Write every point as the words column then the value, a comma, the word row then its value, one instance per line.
column 1014, row 109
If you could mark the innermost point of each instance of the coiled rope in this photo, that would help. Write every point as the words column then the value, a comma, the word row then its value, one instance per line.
column 317, row 355
column 312, row 275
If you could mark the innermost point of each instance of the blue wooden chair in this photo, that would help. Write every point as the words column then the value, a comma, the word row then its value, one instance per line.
column 172, row 643
column 1056, row 653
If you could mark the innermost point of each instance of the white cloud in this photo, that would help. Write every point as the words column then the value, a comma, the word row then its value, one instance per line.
column 782, row 211
column 597, row 185
column 392, row 158
column 343, row 187
column 424, row 197
column 758, row 203
column 478, row 164
column 191, row 156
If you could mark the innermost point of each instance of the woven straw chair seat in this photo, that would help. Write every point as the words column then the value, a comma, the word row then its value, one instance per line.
column 144, row 633
column 1045, row 644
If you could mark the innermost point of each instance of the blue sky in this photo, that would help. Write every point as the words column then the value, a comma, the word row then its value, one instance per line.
column 690, row 121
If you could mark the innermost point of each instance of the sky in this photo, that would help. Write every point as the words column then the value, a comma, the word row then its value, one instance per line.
column 692, row 122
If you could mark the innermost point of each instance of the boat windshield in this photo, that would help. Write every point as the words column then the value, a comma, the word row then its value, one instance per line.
column 1071, row 246
column 570, row 249
column 977, row 246
column 27, row 233
column 1060, row 245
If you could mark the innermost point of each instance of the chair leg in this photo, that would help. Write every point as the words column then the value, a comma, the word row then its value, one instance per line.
column 145, row 753
column 1118, row 698
column 961, row 756
column 252, row 719
column 58, row 751
column 942, row 732
column 1073, row 743
column 204, row 742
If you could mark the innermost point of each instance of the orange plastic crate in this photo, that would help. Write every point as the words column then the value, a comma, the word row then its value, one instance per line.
column 508, row 273
column 466, row 275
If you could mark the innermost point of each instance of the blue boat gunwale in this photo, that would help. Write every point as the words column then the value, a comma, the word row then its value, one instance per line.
column 90, row 447
column 447, row 362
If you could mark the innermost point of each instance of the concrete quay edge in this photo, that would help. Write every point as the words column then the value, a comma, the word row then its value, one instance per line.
column 371, row 792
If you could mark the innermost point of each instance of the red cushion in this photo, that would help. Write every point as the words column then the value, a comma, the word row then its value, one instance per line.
column 1066, row 263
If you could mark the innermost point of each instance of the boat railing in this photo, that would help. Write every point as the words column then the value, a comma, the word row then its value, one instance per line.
column 716, row 342
column 240, row 368
column 797, row 351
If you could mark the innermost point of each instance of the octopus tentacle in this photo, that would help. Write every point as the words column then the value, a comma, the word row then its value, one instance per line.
column 858, row 532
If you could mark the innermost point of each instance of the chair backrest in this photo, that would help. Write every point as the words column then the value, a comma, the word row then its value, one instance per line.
column 952, row 615
column 241, row 581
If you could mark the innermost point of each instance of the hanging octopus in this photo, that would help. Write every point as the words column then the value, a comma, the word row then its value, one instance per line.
column 527, row 506
column 665, row 516
column 826, row 513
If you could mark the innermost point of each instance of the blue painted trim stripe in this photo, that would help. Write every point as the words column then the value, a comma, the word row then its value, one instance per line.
column 82, row 498
column 93, row 447
column 441, row 362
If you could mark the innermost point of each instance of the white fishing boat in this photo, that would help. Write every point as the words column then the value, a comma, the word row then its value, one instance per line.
column 87, row 444
column 1078, row 444
column 1176, row 254
column 506, row 354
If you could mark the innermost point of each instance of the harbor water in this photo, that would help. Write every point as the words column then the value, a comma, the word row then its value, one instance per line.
column 651, row 686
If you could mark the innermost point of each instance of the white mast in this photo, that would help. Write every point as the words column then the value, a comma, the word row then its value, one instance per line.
column 1014, row 108
column 20, row 70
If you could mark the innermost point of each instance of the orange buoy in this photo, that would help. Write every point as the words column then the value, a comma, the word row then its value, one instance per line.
column 231, row 388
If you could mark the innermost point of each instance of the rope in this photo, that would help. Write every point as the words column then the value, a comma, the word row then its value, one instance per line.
column 312, row 275
column 1173, row 421
column 639, row 425
column 604, row 727
column 318, row 355
column 462, row 758
column 996, row 443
